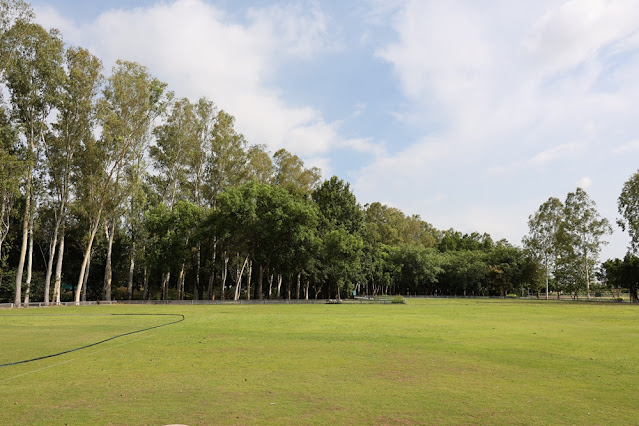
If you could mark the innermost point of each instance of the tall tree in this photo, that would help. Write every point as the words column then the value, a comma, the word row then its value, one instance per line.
column 74, row 126
column 132, row 100
column 628, row 204
column 226, row 164
column 31, row 65
column 340, row 228
column 174, row 142
column 584, row 230
column 291, row 174
column 11, row 172
column 543, row 237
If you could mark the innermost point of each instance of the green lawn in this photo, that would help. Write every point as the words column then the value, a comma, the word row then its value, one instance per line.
column 430, row 361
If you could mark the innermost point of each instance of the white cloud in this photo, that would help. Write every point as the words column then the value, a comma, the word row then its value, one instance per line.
column 491, row 83
column 630, row 147
column 541, row 159
column 584, row 183
column 201, row 51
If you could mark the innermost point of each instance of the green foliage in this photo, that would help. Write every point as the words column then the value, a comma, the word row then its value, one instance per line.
column 399, row 299
column 617, row 273
column 628, row 203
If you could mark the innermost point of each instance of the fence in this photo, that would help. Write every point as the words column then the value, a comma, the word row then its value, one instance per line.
column 356, row 300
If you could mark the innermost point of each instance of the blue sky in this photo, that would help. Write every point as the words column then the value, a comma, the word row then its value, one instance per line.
column 468, row 113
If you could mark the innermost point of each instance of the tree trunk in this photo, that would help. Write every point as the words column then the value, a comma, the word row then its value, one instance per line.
column 306, row 289
column 52, row 249
column 238, row 282
column 27, row 293
column 587, row 275
column 196, row 294
column 87, row 254
column 224, row 274
column 270, row 286
column 180, row 283
column 108, row 270
column 25, row 237
column 58, row 270
column 85, row 280
column 129, row 286
column 279, row 285
column 260, row 278
column 299, row 277
column 145, row 290
column 165, row 285
column 248, row 280
column 209, row 293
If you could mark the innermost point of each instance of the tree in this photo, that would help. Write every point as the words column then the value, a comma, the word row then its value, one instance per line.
column 132, row 100
column 340, row 228
column 583, row 229
column 74, row 126
column 543, row 237
column 11, row 172
column 624, row 273
column 174, row 140
column 628, row 204
column 226, row 164
column 31, row 65
column 291, row 174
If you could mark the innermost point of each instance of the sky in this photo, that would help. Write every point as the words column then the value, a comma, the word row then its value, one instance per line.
column 468, row 113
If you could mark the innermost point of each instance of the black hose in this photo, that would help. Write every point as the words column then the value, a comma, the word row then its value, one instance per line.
column 102, row 341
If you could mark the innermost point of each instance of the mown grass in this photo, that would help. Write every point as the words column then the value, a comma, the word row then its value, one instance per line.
column 429, row 361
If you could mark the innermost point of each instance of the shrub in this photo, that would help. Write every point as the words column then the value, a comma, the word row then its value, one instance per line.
column 511, row 296
column 398, row 299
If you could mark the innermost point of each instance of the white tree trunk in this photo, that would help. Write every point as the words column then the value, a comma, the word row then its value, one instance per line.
column 85, row 260
column 129, row 286
column 25, row 237
column 279, row 285
column 108, row 270
column 224, row 274
column 27, row 293
column 248, row 281
column 58, row 270
column 240, row 273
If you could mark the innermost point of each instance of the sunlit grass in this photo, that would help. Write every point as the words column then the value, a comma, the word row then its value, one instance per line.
column 430, row 361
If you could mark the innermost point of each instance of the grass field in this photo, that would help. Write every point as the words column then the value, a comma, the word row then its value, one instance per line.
column 430, row 361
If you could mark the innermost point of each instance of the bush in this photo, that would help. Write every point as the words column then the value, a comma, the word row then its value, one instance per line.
column 398, row 299
column 598, row 294
column 511, row 296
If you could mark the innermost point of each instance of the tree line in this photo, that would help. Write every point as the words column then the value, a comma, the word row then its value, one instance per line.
column 112, row 186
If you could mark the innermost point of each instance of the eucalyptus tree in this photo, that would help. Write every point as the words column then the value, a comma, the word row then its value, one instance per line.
column 74, row 126
column 32, row 72
column 11, row 171
column 260, row 166
column 132, row 100
column 233, row 224
column 291, row 174
column 584, row 230
column 543, row 239
column 628, row 204
column 197, row 156
column 227, row 161
column 226, row 166
column 173, row 141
